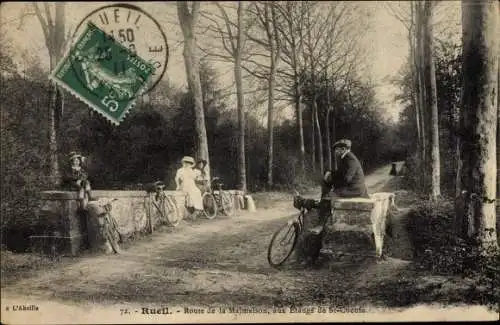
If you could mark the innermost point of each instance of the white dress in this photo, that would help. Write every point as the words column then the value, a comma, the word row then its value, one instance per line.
column 186, row 177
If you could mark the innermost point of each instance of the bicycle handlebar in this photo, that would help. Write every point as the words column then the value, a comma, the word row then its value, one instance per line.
column 216, row 182
column 302, row 203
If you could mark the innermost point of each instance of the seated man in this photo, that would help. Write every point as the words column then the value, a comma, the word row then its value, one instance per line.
column 348, row 180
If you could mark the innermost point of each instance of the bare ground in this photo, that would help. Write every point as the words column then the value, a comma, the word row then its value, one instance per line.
column 223, row 261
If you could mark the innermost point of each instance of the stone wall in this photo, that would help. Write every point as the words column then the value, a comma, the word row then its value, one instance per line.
column 365, row 216
column 132, row 209
column 59, row 221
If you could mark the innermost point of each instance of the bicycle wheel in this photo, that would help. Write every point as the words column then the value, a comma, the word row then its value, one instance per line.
column 209, row 206
column 110, row 234
column 285, row 239
column 227, row 203
column 172, row 214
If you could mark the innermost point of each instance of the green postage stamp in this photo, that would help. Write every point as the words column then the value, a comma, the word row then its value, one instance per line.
column 102, row 73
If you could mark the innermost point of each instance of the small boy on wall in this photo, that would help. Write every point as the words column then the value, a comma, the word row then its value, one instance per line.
column 76, row 177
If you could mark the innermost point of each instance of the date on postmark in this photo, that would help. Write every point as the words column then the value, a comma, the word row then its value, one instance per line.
column 89, row 72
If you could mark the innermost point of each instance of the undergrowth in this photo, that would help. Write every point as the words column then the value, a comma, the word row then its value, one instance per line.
column 438, row 250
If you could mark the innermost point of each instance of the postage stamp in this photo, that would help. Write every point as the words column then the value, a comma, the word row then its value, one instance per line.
column 103, row 73
column 135, row 29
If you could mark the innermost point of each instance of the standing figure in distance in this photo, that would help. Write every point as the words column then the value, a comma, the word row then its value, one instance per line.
column 185, row 182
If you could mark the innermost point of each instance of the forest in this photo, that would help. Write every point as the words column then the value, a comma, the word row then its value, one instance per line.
column 307, row 57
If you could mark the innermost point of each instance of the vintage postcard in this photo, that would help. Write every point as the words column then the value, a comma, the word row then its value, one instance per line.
column 249, row 162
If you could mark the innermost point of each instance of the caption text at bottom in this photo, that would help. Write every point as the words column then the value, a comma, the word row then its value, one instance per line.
column 243, row 310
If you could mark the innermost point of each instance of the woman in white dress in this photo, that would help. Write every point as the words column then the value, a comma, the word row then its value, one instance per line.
column 185, row 181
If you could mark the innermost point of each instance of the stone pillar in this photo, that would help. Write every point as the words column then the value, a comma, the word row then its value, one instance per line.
column 250, row 204
column 58, row 213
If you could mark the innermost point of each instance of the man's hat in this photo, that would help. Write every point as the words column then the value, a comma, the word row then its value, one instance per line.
column 343, row 143
column 74, row 154
column 188, row 159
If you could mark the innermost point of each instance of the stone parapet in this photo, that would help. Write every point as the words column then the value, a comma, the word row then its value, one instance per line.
column 62, row 223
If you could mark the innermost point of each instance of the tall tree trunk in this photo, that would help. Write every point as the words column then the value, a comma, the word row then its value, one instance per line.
column 240, row 102
column 56, row 102
column 458, row 162
column 421, row 87
column 53, row 29
column 316, row 129
column 320, row 139
column 327, row 124
column 328, row 138
column 294, row 51
column 479, row 118
column 416, row 82
column 334, row 135
column 55, row 173
column 187, row 21
column 59, row 41
column 416, row 104
column 300, row 122
column 274, row 57
column 425, row 102
column 431, row 94
column 313, row 136
column 459, row 222
column 270, row 131
column 498, row 135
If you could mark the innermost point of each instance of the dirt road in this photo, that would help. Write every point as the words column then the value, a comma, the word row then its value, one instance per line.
column 202, row 264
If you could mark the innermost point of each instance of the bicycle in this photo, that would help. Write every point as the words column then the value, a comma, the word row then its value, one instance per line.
column 294, row 228
column 218, row 200
column 109, row 228
column 169, row 212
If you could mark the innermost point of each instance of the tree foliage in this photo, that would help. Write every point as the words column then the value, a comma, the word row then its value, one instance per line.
column 150, row 142
column 448, row 83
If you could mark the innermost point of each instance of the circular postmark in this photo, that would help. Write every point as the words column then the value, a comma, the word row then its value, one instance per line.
column 141, row 39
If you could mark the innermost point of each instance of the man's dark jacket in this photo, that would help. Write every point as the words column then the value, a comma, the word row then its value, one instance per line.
column 348, row 180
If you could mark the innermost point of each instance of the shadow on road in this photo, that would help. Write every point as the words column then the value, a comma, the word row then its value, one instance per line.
column 224, row 262
column 224, row 269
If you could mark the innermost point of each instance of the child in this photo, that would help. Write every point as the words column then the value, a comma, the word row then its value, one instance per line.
column 77, row 177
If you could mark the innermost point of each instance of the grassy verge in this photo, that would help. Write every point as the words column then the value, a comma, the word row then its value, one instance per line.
column 462, row 273
column 267, row 200
column 17, row 265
